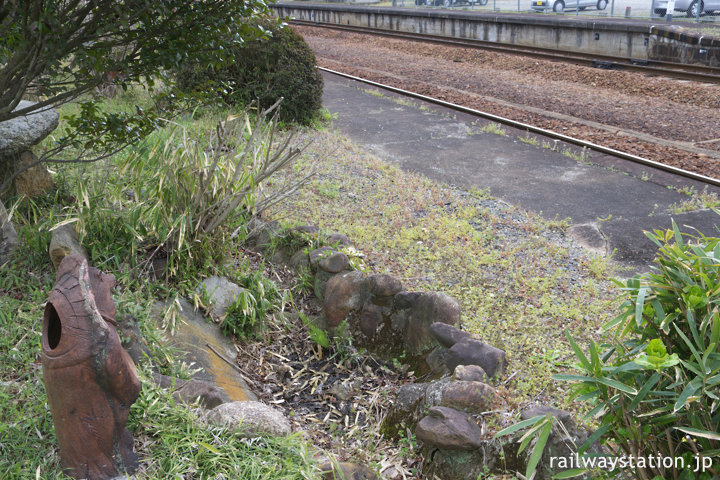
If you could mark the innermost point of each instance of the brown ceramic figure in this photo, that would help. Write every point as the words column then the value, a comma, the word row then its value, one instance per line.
column 89, row 378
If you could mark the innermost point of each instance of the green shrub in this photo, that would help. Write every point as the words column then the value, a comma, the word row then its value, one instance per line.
column 191, row 193
column 247, row 313
column 264, row 70
column 654, row 383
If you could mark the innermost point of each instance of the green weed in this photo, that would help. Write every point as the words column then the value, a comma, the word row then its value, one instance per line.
column 529, row 140
column 375, row 93
column 697, row 201
column 494, row 128
column 247, row 314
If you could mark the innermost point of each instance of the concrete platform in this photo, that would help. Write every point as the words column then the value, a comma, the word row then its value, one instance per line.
column 609, row 201
column 624, row 38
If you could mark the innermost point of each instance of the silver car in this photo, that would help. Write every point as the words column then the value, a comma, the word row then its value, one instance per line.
column 559, row 6
column 692, row 8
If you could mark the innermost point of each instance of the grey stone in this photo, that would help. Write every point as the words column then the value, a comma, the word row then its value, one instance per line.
column 189, row 391
column 470, row 397
column 300, row 260
column 251, row 418
column 308, row 229
column 475, row 352
column 321, row 279
column 405, row 300
column 8, row 236
column 261, row 233
column 449, row 429
column 406, row 410
column 399, row 320
column 447, row 335
column 469, row 373
column 437, row 361
column 335, row 263
column 64, row 242
column 318, row 254
column 428, row 308
column 434, row 391
column 206, row 394
column 489, row 458
column 344, row 293
column 371, row 317
column 339, row 240
column 221, row 292
column 20, row 133
column 383, row 285
column 346, row 471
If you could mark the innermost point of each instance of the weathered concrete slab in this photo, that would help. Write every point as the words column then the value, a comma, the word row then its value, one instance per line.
column 446, row 146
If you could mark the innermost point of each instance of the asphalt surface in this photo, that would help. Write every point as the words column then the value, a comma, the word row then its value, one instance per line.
column 609, row 202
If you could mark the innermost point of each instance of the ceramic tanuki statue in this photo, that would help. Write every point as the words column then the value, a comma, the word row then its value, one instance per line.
column 89, row 378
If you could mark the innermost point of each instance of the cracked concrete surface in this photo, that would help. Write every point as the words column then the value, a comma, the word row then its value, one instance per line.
column 451, row 147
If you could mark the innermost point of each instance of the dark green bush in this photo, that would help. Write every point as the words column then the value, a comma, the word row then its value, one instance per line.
column 263, row 70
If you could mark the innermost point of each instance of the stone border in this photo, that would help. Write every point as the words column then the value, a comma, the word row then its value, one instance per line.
column 422, row 328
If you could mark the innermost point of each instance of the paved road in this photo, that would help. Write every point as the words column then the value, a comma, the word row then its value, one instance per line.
column 610, row 202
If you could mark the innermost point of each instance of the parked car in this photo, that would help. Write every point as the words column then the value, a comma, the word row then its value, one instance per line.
column 559, row 6
column 690, row 7
column 450, row 3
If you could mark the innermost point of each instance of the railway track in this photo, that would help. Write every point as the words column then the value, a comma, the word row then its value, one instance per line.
column 537, row 130
column 696, row 73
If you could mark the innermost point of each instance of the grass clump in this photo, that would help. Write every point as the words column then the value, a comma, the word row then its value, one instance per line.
column 697, row 201
column 495, row 128
column 259, row 297
column 185, row 448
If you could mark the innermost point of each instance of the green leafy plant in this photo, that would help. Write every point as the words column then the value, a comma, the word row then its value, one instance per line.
column 317, row 334
column 246, row 314
column 538, row 427
column 190, row 191
column 654, row 383
column 304, row 281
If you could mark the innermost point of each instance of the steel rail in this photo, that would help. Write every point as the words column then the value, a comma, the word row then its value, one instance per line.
column 696, row 73
column 534, row 129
